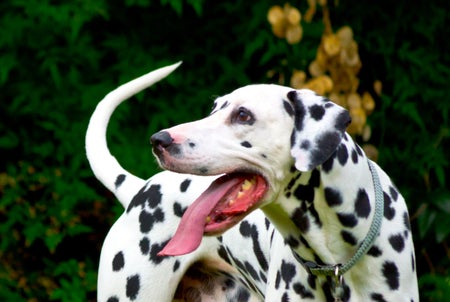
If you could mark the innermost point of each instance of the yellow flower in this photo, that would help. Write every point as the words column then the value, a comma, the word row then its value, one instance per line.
column 285, row 23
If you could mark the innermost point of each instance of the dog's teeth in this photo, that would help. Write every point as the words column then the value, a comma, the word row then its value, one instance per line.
column 232, row 201
column 208, row 219
column 240, row 194
column 247, row 184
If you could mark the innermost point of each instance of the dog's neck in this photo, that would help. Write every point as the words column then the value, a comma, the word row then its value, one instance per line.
column 318, row 220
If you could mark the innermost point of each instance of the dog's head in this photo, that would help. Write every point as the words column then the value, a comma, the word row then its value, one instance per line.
column 254, row 136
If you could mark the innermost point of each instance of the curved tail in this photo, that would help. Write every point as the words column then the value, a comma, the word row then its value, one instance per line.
column 105, row 166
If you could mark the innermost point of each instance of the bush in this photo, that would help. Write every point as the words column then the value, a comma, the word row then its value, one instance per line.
column 60, row 58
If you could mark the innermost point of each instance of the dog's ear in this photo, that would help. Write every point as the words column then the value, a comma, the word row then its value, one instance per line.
column 319, row 127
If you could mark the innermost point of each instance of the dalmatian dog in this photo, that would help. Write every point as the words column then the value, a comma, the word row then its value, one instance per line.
column 266, row 199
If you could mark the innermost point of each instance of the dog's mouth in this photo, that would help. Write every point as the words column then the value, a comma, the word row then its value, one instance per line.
column 226, row 202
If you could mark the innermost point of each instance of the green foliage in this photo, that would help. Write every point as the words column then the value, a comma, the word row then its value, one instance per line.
column 59, row 58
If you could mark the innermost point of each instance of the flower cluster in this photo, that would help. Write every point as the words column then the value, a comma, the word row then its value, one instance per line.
column 285, row 23
column 334, row 71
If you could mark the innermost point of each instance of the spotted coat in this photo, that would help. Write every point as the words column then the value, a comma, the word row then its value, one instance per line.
column 319, row 206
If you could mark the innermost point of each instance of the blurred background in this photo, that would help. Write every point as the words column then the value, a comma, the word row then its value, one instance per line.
column 388, row 62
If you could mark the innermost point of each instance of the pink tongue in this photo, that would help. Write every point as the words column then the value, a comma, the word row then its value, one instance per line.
column 191, row 228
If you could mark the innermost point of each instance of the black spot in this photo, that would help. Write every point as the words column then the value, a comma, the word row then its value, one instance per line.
column 301, row 290
column 317, row 112
column 152, row 195
column 242, row 295
column 305, row 145
column 314, row 180
column 174, row 149
column 241, row 267
column 362, row 204
column 311, row 281
column 304, row 193
column 293, row 181
column 248, row 230
column 348, row 237
column 214, row 106
column 176, row 266
column 406, row 221
column 389, row 212
column 245, row 228
column 288, row 108
column 397, row 242
column 267, row 223
column 277, row 280
column 325, row 145
column 345, row 137
column 178, row 210
column 354, row 156
column 285, row 297
column 299, row 110
column 113, row 299
column 359, row 150
column 251, row 270
column 413, row 262
column 144, row 245
column 342, row 154
column 223, row 254
column 293, row 137
column 332, row 197
column 328, row 165
column 263, row 277
column 288, row 272
column 263, row 155
column 229, row 284
column 203, row 170
column 391, row 274
column 315, row 215
column 246, row 144
column 147, row 220
column 292, row 242
column 394, row 193
column 304, row 242
column 118, row 262
column 326, row 288
column 155, row 249
column 301, row 220
column 133, row 287
column 374, row 251
column 224, row 105
column 347, row 292
column 119, row 180
column 185, row 185
column 191, row 144
column 343, row 120
column 347, row 219
column 377, row 297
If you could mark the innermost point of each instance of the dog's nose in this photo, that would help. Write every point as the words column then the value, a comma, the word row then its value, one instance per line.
column 162, row 139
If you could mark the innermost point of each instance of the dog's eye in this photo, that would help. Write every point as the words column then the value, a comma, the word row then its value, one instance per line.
column 243, row 116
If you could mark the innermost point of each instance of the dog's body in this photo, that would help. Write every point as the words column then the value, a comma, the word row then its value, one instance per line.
column 313, row 183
